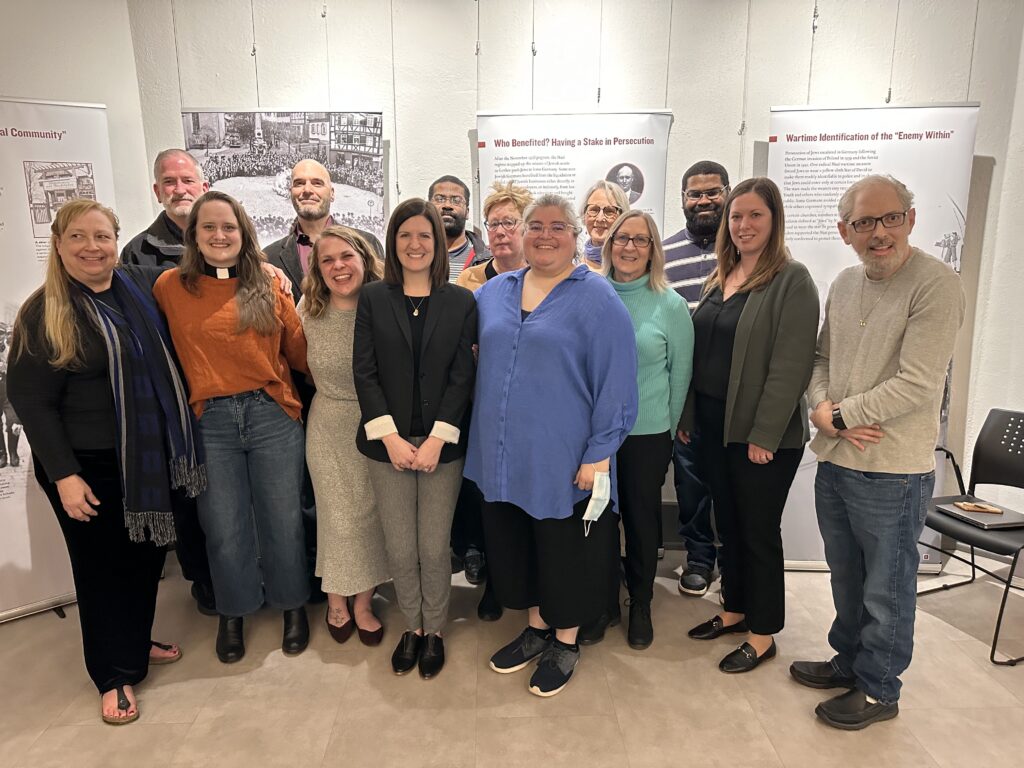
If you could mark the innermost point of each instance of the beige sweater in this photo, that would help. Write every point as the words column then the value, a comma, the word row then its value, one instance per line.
column 891, row 371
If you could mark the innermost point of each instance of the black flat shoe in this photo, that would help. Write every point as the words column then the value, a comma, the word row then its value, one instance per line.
column 230, row 644
column 592, row 632
column 342, row 633
column 713, row 628
column 640, row 634
column 489, row 608
column 407, row 653
column 745, row 658
column 431, row 656
column 819, row 674
column 296, row 631
column 851, row 711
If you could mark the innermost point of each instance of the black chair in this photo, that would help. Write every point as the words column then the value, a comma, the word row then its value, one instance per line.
column 998, row 460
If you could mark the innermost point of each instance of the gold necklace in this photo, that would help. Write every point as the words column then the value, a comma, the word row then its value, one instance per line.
column 416, row 306
column 860, row 304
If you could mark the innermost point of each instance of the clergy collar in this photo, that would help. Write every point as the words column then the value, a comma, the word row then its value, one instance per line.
column 221, row 273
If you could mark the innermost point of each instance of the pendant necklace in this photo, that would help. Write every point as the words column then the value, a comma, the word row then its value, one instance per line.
column 863, row 317
column 416, row 306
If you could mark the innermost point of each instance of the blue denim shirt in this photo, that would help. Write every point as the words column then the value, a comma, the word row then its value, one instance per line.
column 553, row 391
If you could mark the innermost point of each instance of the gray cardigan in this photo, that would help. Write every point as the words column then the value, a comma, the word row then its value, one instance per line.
column 772, row 360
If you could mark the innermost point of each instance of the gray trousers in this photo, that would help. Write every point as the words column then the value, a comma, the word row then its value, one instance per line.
column 416, row 510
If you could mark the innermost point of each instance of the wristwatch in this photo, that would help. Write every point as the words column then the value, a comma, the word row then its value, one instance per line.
column 837, row 419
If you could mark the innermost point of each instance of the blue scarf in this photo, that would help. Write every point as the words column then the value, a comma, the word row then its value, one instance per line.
column 592, row 252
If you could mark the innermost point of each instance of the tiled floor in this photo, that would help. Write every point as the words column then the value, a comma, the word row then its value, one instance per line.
column 666, row 706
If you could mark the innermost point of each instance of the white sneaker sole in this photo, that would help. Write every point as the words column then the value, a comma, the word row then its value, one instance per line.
column 509, row 670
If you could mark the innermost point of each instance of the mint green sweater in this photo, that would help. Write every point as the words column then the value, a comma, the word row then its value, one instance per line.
column 664, row 344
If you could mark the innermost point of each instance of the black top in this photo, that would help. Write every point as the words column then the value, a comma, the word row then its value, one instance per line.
column 714, row 331
column 416, row 306
column 162, row 244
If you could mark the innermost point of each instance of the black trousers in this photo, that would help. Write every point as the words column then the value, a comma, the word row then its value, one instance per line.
column 115, row 578
column 467, row 524
column 191, row 541
column 748, row 501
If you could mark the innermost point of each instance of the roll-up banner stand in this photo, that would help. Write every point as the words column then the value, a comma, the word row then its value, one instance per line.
column 565, row 154
column 50, row 152
column 814, row 155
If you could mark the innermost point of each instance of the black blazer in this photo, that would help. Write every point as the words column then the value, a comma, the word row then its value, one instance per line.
column 382, row 363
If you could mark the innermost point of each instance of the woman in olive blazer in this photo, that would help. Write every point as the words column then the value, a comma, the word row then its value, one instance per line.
column 754, row 329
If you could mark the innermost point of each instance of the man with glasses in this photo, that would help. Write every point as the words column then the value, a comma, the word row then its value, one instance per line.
column 465, row 248
column 689, row 259
column 879, row 374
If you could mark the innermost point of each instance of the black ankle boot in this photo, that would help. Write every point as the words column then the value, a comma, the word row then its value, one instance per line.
column 230, row 645
column 296, row 631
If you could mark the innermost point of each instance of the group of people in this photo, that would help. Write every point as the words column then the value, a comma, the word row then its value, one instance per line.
column 529, row 392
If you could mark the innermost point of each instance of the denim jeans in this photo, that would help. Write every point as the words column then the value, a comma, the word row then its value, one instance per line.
column 694, row 500
column 871, row 522
column 251, row 511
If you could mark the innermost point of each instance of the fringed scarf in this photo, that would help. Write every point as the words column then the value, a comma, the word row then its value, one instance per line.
column 156, row 444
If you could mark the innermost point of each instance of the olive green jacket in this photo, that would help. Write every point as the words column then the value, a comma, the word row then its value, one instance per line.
column 772, row 360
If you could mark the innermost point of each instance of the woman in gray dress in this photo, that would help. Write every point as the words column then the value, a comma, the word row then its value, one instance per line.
column 350, row 559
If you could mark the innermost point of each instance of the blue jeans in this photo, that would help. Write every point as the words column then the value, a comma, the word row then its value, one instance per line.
column 694, row 500
column 251, row 510
column 871, row 522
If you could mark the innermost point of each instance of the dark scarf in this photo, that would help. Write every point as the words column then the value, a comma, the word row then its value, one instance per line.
column 155, row 425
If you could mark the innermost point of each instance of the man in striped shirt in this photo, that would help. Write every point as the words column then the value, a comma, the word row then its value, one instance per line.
column 689, row 259
column 465, row 248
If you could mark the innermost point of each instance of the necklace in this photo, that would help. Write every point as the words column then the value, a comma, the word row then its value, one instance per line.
column 860, row 304
column 416, row 306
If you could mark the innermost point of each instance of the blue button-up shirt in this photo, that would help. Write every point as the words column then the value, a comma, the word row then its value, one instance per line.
column 553, row 391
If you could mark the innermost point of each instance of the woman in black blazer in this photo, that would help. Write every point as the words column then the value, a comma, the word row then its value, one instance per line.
column 413, row 368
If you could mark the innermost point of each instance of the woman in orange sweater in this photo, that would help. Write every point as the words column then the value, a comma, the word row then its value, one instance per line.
column 237, row 334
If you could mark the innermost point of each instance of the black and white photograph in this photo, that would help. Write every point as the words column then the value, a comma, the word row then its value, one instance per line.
column 50, row 184
column 249, row 155
column 630, row 178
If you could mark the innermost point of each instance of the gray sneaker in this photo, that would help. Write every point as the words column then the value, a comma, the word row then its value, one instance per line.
column 530, row 644
column 694, row 581
column 554, row 669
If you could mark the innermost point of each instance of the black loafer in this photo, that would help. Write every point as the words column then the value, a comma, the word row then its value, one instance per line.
column 851, row 711
column 592, row 632
column 407, row 653
column 296, row 631
column 230, row 643
column 714, row 627
column 819, row 674
column 431, row 656
column 489, row 608
column 745, row 658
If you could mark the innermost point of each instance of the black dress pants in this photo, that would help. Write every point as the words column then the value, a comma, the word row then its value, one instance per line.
column 190, row 546
column 748, row 501
column 467, row 524
column 115, row 578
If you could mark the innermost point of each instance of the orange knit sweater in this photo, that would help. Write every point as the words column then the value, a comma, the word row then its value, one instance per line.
column 217, row 359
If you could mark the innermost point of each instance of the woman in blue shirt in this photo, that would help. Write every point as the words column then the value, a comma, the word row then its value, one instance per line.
column 556, row 395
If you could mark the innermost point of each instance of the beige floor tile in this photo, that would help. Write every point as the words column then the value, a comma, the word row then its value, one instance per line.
column 401, row 736
column 586, row 741
column 1009, row 677
column 106, row 746
column 943, row 676
column 969, row 737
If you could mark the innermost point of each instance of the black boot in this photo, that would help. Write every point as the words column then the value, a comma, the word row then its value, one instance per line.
column 296, row 631
column 641, row 631
column 230, row 644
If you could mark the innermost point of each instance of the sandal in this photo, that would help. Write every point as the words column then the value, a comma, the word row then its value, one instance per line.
column 123, row 705
column 167, row 647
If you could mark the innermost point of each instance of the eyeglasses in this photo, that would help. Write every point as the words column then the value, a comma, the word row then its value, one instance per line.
column 609, row 211
column 456, row 200
column 889, row 221
column 710, row 194
column 640, row 241
column 507, row 224
column 556, row 228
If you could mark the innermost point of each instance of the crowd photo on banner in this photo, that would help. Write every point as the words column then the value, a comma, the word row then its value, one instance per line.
column 311, row 400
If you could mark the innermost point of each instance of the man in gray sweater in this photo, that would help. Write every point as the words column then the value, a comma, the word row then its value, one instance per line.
column 879, row 373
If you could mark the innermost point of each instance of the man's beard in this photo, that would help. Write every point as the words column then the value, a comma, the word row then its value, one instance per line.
column 881, row 267
column 705, row 225
column 456, row 226
column 312, row 214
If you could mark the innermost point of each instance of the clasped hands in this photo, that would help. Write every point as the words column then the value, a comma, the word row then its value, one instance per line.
column 404, row 455
column 861, row 435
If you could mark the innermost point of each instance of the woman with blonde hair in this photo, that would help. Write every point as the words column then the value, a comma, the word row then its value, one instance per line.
column 755, row 330
column 350, row 556
column 92, row 377
column 237, row 334
column 603, row 203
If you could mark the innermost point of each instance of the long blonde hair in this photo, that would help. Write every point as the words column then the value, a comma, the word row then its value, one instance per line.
column 315, row 293
column 254, row 295
column 61, row 321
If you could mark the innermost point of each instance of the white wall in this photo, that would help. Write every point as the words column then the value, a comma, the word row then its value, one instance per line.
column 718, row 65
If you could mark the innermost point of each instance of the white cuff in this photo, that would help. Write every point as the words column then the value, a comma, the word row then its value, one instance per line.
column 380, row 427
column 444, row 432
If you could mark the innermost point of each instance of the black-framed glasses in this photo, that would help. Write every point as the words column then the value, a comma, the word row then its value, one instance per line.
column 640, row 241
column 455, row 200
column 507, row 224
column 889, row 221
column 710, row 194
column 609, row 211
column 555, row 228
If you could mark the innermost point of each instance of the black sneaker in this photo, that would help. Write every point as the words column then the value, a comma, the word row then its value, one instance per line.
column 554, row 670
column 530, row 644
column 641, row 631
column 852, row 711
column 694, row 581
column 475, row 566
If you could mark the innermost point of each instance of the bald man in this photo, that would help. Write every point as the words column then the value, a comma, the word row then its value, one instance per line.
column 312, row 194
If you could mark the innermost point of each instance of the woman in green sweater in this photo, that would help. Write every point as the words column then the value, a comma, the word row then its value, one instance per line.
column 634, row 263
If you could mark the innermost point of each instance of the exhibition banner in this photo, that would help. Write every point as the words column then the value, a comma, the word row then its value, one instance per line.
column 49, row 154
column 565, row 154
column 249, row 155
